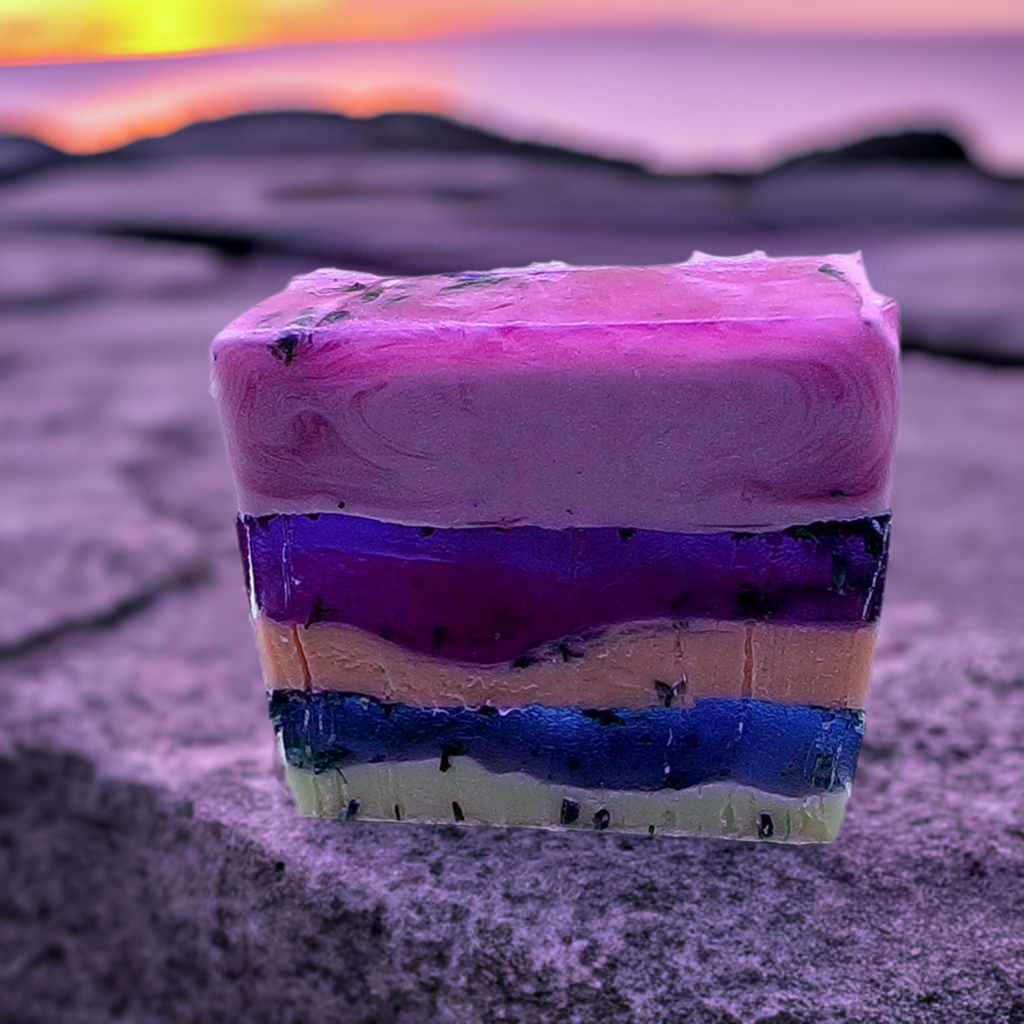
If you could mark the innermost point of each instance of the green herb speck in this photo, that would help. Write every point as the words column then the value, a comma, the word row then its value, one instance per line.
column 838, row 573
column 473, row 282
column 283, row 350
column 805, row 533
column 333, row 318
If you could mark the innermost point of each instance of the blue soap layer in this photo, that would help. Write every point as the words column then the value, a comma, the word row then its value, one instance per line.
column 784, row 749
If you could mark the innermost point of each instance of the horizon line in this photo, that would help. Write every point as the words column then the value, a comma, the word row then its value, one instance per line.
column 797, row 154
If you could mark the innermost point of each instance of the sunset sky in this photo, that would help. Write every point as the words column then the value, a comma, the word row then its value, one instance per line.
column 673, row 84
column 64, row 30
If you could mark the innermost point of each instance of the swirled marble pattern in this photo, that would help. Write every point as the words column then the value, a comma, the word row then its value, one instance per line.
column 719, row 394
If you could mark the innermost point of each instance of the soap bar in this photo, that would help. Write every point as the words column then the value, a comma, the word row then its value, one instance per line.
column 568, row 547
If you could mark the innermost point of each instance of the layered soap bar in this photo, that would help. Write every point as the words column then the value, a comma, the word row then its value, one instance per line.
column 574, row 547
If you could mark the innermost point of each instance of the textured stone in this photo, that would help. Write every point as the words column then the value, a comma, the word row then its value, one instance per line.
column 152, row 868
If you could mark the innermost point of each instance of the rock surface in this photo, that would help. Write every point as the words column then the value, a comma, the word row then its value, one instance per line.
column 151, row 866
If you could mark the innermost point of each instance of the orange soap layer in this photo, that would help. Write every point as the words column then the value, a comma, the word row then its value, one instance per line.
column 634, row 665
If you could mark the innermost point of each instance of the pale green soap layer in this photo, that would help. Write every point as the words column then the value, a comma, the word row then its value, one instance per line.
column 424, row 794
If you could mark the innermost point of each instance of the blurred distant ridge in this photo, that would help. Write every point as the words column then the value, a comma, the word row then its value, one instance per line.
column 299, row 133
column 20, row 156
column 914, row 147
column 416, row 193
column 313, row 132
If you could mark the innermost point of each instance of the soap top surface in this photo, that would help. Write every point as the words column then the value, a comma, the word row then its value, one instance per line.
column 755, row 287
column 743, row 393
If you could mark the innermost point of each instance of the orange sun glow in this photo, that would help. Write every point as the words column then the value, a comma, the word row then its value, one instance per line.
column 33, row 31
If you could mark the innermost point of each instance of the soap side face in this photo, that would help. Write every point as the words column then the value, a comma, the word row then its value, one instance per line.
column 561, row 547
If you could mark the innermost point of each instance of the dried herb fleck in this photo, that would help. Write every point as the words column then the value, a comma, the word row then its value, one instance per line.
column 752, row 603
column 316, row 613
column 804, row 533
column 283, row 350
column 570, row 812
column 449, row 751
column 473, row 282
column 335, row 316
column 823, row 772
column 603, row 716
column 876, row 537
column 525, row 661
column 441, row 636
column 568, row 654
column 839, row 570
column 666, row 692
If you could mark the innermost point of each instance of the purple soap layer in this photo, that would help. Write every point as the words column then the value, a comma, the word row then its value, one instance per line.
column 492, row 595
column 745, row 393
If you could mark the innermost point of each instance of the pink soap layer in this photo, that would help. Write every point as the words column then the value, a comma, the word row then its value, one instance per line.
column 744, row 393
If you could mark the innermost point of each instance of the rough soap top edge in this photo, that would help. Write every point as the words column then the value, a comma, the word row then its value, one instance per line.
column 311, row 301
